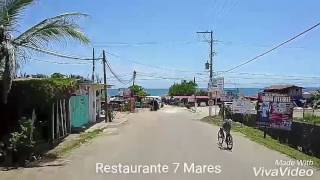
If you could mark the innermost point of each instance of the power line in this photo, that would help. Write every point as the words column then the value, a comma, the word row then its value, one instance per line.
column 116, row 76
column 272, row 49
column 243, row 44
column 58, row 54
column 147, row 43
column 149, row 65
column 163, row 77
column 64, row 63
column 275, row 75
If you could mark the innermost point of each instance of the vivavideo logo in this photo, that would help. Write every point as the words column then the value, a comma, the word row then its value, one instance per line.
column 299, row 168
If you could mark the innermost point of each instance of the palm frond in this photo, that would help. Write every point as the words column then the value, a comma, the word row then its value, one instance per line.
column 56, row 28
column 10, row 11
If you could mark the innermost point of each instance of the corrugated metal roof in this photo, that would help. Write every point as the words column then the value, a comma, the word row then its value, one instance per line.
column 280, row 87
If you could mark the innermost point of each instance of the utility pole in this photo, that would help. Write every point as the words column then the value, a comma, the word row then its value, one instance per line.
column 105, row 87
column 93, row 65
column 132, row 100
column 211, row 68
column 134, row 77
column 195, row 96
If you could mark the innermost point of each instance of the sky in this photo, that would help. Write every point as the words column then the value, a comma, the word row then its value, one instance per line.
column 158, row 39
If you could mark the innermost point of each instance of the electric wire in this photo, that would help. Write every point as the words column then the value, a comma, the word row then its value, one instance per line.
column 58, row 54
column 272, row 49
column 62, row 63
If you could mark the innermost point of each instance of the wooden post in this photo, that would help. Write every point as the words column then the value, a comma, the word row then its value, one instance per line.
column 52, row 122
column 57, row 120
column 64, row 116
column 312, row 112
column 105, row 87
column 223, row 111
column 33, row 118
column 61, row 117
column 69, row 115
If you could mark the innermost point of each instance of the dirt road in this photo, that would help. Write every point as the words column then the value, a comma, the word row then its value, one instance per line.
column 163, row 140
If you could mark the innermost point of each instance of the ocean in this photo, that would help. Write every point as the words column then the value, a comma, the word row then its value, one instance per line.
column 242, row 91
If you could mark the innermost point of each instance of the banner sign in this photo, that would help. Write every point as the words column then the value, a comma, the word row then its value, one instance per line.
column 243, row 106
column 217, row 84
column 276, row 111
column 229, row 95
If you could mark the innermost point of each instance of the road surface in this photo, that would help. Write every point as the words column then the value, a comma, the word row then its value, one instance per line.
column 160, row 140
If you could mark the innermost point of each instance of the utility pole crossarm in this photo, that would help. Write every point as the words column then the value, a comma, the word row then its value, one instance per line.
column 211, row 50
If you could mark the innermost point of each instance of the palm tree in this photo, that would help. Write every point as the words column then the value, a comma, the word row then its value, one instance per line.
column 13, row 49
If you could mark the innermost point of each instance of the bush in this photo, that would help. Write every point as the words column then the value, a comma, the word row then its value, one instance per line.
column 35, row 94
column 184, row 88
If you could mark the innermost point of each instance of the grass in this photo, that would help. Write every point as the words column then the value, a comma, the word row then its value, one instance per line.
column 256, row 135
column 309, row 118
column 74, row 143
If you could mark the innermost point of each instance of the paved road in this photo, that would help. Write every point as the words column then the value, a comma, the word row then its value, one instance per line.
column 167, row 136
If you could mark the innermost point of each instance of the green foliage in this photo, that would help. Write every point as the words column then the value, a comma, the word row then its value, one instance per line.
column 22, row 139
column 57, row 76
column 1, row 68
column 74, row 76
column 309, row 118
column 10, row 11
column 312, row 118
column 183, row 89
column 46, row 89
column 138, row 90
column 315, row 99
column 26, row 95
column 39, row 76
column 59, row 28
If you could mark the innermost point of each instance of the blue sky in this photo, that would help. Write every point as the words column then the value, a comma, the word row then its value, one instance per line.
column 163, row 33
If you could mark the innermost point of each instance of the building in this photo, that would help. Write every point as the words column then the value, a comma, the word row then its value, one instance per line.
column 295, row 92
column 191, row 99
column 85, row 104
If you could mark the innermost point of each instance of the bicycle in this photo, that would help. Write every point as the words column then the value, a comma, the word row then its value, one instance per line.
column 227, row 138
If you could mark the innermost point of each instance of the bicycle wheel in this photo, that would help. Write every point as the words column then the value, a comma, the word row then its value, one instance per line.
column 220, row 136
column 229, row 141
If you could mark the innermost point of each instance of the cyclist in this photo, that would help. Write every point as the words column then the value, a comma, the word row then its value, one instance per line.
column 227, row 126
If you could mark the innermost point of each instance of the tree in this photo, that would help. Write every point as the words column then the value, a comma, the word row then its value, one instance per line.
column 57, row 76
column 315, row 99
column 138, row 90
column 39, row 76
column 183, row 89
column 13, row 50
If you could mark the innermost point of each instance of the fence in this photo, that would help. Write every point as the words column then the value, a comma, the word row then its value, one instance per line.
column 299, row 113
column 304, row 137
column 60, row 120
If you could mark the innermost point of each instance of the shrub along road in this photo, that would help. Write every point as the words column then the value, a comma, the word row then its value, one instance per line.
column 168, row 144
